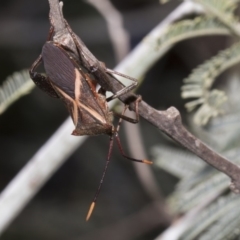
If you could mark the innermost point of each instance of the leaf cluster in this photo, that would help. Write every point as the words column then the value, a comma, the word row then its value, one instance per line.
column 200, row 186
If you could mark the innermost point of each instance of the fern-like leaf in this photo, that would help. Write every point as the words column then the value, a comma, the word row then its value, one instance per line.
column 211, row 107
column 208, row 183
column 201, row 79
column 223, row 10
column 205, row 74
column 226, row 227
column 185, row 29
column 177, row 162
column 203, row 184
column 183, row 201
column 211, row 215
column 14, row 87
column 188, row 183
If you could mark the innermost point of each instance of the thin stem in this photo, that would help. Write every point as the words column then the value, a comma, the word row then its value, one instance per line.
column 118, row 34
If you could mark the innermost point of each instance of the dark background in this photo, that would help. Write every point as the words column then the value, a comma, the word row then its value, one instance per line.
column 58, row 211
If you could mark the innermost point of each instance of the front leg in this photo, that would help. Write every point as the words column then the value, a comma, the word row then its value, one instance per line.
column 42, row 81
column 128, row 119
column 123, row 90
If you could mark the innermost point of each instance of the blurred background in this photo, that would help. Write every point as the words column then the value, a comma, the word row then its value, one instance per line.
column 124, row 210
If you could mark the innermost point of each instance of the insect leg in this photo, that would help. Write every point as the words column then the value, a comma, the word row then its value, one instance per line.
column 118, row 139
column 41, row 80
column 127, row 157
column 102, row 179
column 128, row 119
column 125, row 89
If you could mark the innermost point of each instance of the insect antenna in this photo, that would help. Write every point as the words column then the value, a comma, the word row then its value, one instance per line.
column 112, row 137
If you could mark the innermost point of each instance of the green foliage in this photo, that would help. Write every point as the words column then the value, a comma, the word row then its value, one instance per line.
column 200, row 186
column 14, row 87
column 198, row 84
column 213, row 218
column 222, row 10
column 179, row 158
column 185, row 29
column 219, row 20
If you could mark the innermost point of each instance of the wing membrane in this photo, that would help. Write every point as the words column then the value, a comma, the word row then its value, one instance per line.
column 77, row 87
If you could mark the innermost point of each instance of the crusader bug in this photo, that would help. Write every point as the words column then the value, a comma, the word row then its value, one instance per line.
column 75, row 82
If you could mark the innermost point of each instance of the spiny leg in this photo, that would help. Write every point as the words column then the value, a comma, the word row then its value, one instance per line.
column 39, row 79
column 128, row 119
column 127, row 157
column 39, row 59
column 118, row 139
column 115, row 135
column 125, row 89
column 102, row 179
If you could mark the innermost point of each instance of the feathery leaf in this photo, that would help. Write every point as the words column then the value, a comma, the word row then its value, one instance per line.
column 212, row 214
column 199, row 82
column 178, row 162
column 226, row 227
column 14, row 87
column 223, row 10
column 185, row 29
column 183, row 201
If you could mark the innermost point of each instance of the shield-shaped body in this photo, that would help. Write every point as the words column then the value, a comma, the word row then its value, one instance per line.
column 77, row 88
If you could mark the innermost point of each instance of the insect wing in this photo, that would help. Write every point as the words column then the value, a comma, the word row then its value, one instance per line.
column 78, row 90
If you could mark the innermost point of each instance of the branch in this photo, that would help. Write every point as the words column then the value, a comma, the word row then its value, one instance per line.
column 55, row 16
column 170, row 122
